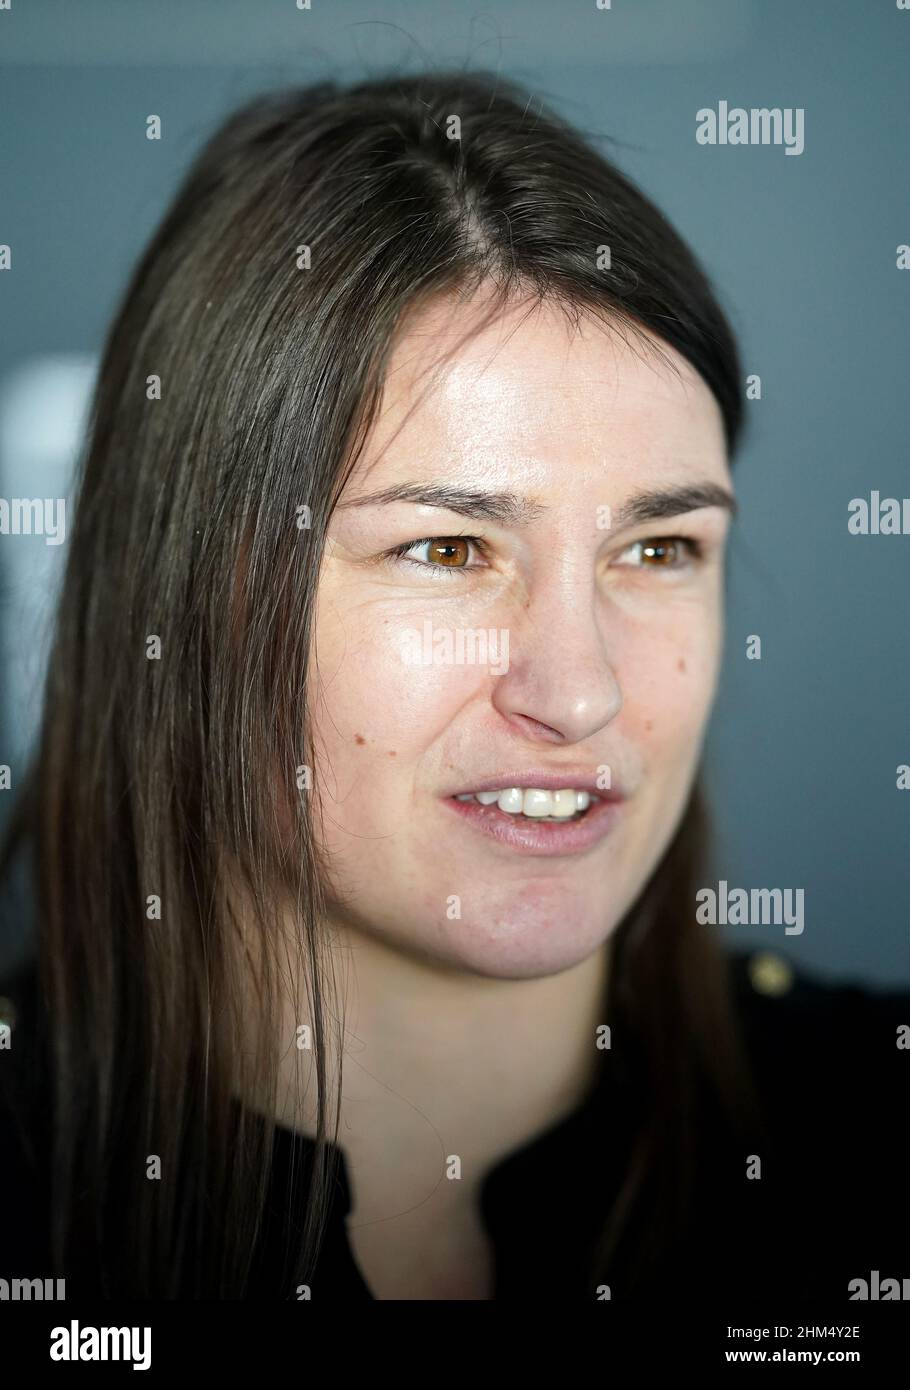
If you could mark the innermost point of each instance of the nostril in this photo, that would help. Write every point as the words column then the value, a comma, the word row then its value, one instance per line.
column 535, row 727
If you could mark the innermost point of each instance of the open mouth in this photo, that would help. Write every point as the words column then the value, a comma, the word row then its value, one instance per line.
column 534, row 804
column 535, row 821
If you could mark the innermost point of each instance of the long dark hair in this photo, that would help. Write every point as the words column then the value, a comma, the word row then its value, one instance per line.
column 237, row 384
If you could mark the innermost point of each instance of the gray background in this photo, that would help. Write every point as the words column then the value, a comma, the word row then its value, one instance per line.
column 804, row 745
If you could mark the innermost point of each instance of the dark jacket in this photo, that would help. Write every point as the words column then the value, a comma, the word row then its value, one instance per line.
column 831, row 1206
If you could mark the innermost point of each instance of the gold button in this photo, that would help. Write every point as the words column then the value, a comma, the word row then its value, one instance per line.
column 7, row 1012
column 770, row 974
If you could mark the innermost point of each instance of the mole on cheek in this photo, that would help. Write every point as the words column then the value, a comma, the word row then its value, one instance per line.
column 681, row 664
column 359, row 738
column 649, row 725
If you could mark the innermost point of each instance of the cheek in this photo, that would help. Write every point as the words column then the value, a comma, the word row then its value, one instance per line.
column 668, row 688
column 669, row 683
column 375, row 713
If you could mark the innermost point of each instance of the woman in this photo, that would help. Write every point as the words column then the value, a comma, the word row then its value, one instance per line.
column 364, row 825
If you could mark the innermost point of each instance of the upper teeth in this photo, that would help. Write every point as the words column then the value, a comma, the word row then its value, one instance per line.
column 532, row 801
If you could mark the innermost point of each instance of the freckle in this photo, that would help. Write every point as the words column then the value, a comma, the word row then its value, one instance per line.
column 391, row 752
column 359, row 738
column 681, row 664
column 649, row 725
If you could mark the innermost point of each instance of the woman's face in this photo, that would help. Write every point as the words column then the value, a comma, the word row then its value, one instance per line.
column 576, row 632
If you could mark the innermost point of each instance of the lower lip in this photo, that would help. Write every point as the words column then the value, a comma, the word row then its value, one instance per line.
column 528, row 836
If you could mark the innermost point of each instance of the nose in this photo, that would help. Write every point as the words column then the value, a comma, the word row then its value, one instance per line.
column 560, row 686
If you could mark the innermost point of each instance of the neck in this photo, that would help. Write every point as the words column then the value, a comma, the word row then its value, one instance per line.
column 437, row 1063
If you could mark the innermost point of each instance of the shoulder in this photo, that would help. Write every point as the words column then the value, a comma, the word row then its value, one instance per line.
column 830, row 1061
column 785, row 1010
column 823, row 1175
column 22, row 1039
column 24, row 1127
column 21, row 1017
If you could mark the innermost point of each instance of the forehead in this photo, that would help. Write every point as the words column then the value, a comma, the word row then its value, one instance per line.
column 538, row 389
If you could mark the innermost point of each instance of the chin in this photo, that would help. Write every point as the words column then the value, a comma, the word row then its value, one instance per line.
column 522, row 935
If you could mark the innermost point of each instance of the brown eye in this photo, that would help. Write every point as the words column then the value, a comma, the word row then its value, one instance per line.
column 438, row 553
column 661, row 553
column 452, row 553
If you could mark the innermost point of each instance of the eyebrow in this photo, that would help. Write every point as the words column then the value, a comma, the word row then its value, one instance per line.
column 509, row 510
